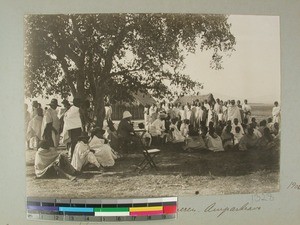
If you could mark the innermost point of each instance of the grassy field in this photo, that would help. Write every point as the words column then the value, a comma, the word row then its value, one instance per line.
column 180, row 174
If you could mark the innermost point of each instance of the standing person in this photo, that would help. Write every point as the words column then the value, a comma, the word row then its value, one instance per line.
column 62, row 112
column 233, row 111
column 51, row 124
column 34, row 129
column 246, row 109
column 108, row 111
column 35, row 105
column 276, row 113
column 73, row 123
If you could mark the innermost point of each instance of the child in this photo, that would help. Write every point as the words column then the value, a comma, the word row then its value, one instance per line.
column 237, row 135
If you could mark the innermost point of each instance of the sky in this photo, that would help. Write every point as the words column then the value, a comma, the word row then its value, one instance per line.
column 253, row 70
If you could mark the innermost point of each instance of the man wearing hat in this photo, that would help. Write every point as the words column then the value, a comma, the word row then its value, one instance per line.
column 125, row 129
column 50, row 125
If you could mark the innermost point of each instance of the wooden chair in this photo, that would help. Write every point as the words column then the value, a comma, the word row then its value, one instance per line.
column 149, row 155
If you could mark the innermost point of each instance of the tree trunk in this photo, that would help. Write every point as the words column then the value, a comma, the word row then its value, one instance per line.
column 99, row 106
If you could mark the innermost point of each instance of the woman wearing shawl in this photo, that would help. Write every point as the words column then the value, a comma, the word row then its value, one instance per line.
column 214, row 142
column 34, row 129
column 227, row 138
column 83, row 154
column 104, row 153
column 176, row 135
column 249, row 140
column 48, row 162
column 194, row 141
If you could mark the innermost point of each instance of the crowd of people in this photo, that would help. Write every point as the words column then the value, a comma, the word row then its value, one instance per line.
column 215, row 126
column 69, row 126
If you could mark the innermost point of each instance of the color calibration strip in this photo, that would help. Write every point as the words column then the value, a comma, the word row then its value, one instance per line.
column 98, row 210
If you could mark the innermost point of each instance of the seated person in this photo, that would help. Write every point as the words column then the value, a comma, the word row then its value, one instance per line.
column 203, row 132
column 145, row 136
column 245, row 124
column 157, row 128
column 214, row 142
column 176, row 136
column 237, row 135
column 235, row 124
column 270, row 124
column 104, row 153
column 83, row 154
column 262, row 126
column 276, row 130
column 267, row 140
column 194, row 141
column 126, row 132
column 184, row 128
column 49, row 163
column 227, row 138
column 249, row 140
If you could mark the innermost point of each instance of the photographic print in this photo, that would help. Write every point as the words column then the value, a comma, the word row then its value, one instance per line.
column 148, row 105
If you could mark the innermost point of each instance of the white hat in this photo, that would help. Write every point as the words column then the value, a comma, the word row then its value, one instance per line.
column 126, row 114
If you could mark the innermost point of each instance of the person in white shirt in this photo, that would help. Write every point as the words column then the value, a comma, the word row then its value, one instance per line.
column 276, row 113
column 247, row 109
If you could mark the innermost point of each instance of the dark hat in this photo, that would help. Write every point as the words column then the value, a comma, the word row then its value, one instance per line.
column 54, row 102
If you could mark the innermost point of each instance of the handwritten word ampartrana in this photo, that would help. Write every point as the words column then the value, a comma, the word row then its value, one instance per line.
column 221, row 210
column 294, row 185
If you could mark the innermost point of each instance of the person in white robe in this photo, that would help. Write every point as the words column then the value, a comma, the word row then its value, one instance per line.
column 34, row 129
column 48, row 162
column 233, row 111
column 213, row 141
column 103, row 152
column 276, row 113
column 246, row 109
column 176, row 136
column 83, row 154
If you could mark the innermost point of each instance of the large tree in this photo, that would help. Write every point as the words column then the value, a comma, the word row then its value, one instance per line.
column 117, row 55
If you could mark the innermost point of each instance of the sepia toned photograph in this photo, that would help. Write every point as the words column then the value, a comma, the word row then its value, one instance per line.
column 148, row 105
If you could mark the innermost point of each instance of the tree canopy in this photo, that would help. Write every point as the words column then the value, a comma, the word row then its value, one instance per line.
column 117, row 55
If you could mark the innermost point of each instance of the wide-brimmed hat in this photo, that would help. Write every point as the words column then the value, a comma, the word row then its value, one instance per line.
column 54, row 102
column 126, row 114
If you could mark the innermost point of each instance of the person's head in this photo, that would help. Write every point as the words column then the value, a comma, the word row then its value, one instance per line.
column 211, row 130
column 204, row 130
column 237, row 129
column 77, row 102
column 269, row 120
column 84, row 137
column 162, row 116
column 45, row 108
column 238, row 102
column 276, row 126
column 127, row 115
column 39, row 105
column 217, row 100
column 263, row 123
column 205, row 101
column 228, row 128
column 221, row 102
column 246, row 101
column 225, row 103
column 44, row 144
column 228, row 122
column 141, row 126
column 211, row 124
column 54, row 103
column 267, row 131
column 174, row 120
column 232, row 102
column 276, row 103
column 187, row 121
column 235, row 121
column 253, row 120
column 250, row 130
column 65, row 103
column 39, row 111
column 245, row 121
column 35, row 104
